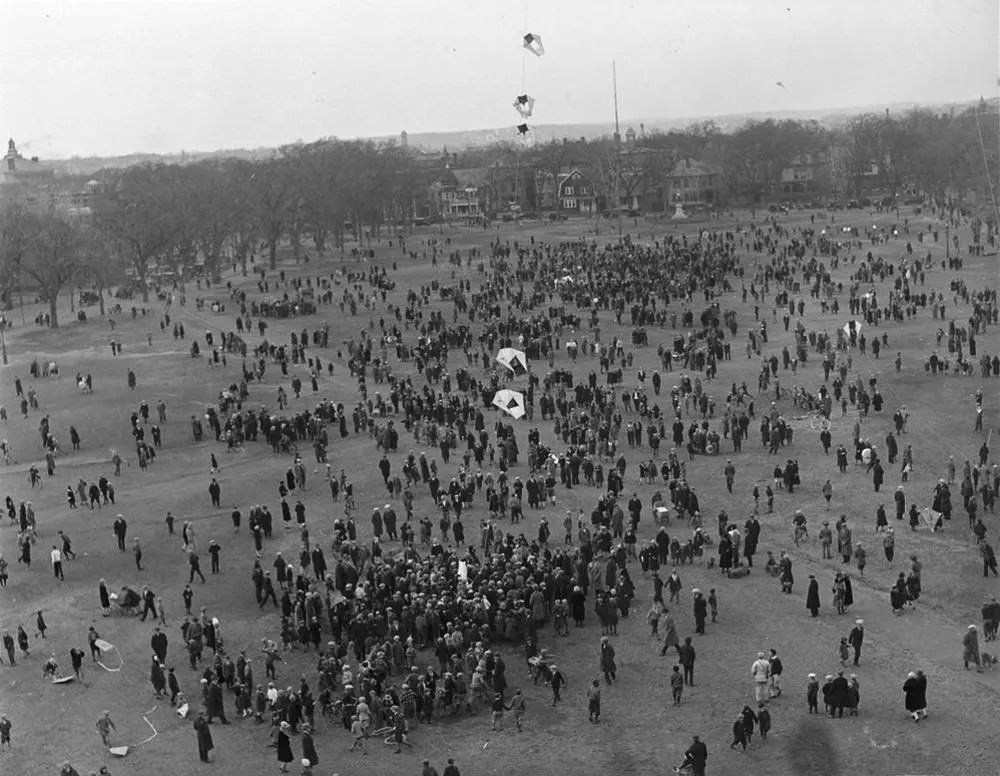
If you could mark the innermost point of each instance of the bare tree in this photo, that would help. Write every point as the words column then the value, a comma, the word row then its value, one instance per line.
column 52, row 258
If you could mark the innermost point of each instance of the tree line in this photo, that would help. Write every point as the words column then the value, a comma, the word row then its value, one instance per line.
column 314, row 196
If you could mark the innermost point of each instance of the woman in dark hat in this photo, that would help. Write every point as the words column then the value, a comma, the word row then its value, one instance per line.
column 812, row 596
column 284, row 746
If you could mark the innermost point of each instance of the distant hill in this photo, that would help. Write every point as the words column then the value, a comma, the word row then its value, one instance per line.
column 88, row 165
column 460, row 139
column 829, row 117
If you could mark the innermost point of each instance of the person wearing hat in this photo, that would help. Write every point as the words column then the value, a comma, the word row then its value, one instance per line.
column 991, row 618
column 358, row 731
column 970, row 643
column 812, row 693
column 204, row 733
column 700, row 606
column 856, row 638
column 889, row 545
column 914, row 698
column 812, row 596
column 284, row 746
column 594, row 701
column 608, row 667
column 695, row 757
column 428, row 769
column 760, row 673
column 826, row 540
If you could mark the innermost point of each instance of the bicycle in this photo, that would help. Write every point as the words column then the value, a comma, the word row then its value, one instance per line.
column 287, row 446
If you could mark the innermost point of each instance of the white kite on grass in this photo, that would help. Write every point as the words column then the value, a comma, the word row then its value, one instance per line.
column 510, row 402
column 105, row 646
column 513, row 359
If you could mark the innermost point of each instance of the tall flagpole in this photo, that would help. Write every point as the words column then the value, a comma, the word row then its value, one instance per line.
column 618, row 146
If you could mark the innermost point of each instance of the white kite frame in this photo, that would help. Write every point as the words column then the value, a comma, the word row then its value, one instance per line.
column 106, row 646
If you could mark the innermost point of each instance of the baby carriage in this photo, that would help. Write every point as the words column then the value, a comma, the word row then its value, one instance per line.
column 125, row 604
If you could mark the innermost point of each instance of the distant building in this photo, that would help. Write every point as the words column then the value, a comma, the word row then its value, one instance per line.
column 576, row 193
column 693, row 182
column 460, row 193
column 23, row 177
column 807, row 173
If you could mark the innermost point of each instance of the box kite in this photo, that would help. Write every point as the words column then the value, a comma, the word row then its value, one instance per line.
column 510, row 402
column 524, row 105
column 513, row 359
column 533, row 43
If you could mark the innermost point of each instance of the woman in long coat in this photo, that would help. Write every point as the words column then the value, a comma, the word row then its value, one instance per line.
column 308, row 747
column 608, row 667
column 812, row 596
column 914, row 696
column 105, row 596
column 284, row 747
column 205, row 744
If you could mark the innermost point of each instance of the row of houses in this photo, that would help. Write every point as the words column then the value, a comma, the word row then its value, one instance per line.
column 451, row 192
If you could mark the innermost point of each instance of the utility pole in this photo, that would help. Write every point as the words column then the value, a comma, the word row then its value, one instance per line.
column 618, row 148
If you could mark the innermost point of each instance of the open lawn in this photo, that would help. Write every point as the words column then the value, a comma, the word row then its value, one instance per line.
column 640, row 732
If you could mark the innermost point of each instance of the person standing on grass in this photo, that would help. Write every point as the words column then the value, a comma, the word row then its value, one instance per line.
column 497, row 711
column 970, row 644
column 760, row 673
column 137, row 552
column 685, row 657
column 670, row 638
column 594, row 701
column 518, row 706
column 695, row 757
column 700, row 611
column 204, row 733
column 215, row 492
column 557, row 680
column 284, row 746
column 5, row 727
column 428, row 769
column 213, row 550
column 76, row 659
column 739, row 733
column 608, row 667
column 676, row 685
column 775, row 676
column 57, row 569
column 104, row 727
column 195, row 566
column 763, row 720
column 358, row 731
column 856, row 638
column 812, row 596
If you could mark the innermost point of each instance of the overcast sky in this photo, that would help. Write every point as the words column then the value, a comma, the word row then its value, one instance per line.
column 119, row 76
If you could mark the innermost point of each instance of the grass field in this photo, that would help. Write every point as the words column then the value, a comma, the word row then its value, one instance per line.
column 640, row 732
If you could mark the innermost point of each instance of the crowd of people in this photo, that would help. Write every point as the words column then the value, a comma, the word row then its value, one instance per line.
column 406, row 619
